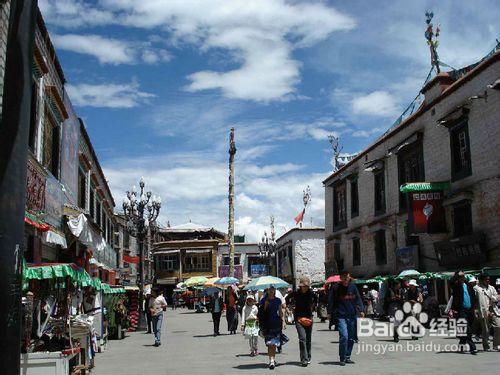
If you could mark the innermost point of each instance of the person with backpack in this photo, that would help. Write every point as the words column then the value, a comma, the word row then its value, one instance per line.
column 345, row 302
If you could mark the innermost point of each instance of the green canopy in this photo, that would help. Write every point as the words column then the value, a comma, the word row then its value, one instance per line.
column 423, row 186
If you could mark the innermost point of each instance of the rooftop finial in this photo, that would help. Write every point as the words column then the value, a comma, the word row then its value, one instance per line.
column 432, row 39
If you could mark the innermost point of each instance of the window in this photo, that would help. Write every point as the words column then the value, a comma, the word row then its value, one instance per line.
column 92, row 202
column 462, row 219
column 460, row 151
column 226, row 260
column 339, row 205
column 198, row 262
column 354, row 197
column 98, row 212
column 410, row 169
column 336, row 251
column 51, row 144
column 126, row 239
column 168, row 262
column 356, row 252
column 379, row 187
column 380, row 248
column 82, row 189
column 33, row 116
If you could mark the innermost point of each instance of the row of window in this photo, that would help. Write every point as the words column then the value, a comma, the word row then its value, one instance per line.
column 410, row 169
column 380, row 249
column 192, row 262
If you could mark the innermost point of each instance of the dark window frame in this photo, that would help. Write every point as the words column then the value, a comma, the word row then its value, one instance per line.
column 356, row 251
column 380, row 242
column 415, row 172
column 462, row 219
column 339, row 211
column 460, row 171
column 82, row 189
column 354, row 193
column 33, row 116
column 379, row 202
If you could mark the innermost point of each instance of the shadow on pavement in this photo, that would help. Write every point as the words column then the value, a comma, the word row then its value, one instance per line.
column 337, row 363
column 211, row 335
column 252, row 366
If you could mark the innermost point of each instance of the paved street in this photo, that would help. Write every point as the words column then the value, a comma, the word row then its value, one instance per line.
column 189, row 348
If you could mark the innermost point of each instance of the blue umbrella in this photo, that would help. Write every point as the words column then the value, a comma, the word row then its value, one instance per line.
column 227, row 281
column 211, row 291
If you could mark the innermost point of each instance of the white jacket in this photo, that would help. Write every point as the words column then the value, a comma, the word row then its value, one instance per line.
column 486, row 297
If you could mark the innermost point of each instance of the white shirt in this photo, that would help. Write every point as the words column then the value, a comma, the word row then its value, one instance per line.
column 158, row 305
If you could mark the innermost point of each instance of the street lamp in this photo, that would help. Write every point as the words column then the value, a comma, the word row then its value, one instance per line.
column 141, row 209
column 268, row 246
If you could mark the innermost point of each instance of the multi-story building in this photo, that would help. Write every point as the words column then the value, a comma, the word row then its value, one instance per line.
column 184, row 251
column 301, row 252
column 248, row 263
column 426, row 194
column 128, row 249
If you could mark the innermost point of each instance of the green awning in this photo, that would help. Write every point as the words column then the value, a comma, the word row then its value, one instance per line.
column 424, row 186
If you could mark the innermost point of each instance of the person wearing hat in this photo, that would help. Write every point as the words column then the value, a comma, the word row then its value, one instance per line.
column 304, row 301
column 488, row 311
column 250, row 324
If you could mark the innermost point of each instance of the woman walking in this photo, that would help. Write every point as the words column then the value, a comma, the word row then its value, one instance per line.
column 304, row 300
column 231, row 312
column 249, row 324
column 271, row 322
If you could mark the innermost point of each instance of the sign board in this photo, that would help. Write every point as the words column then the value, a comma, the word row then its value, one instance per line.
column 238, row 271
column 35, row 189
column 427, row 214
column 257, row 270
column 461, row 252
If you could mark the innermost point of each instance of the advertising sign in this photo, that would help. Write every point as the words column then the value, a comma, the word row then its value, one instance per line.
column 238, row 271
column 407, row 258
column 427, row 213
column 257, row 270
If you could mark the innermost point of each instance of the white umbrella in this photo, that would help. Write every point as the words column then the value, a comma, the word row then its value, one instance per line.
column 409, row 273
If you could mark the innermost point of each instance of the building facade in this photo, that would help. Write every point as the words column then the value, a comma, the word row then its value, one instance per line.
column 248, row 264
column 301, row 252
column 426, row 194
column 185, row 251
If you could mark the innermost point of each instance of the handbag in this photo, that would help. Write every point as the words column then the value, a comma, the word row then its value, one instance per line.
column 305, row 322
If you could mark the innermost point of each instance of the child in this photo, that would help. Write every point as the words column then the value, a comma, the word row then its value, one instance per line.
column 249, row 324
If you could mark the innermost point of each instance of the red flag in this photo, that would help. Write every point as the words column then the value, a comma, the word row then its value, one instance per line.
column 300, row 216
column 129, row 259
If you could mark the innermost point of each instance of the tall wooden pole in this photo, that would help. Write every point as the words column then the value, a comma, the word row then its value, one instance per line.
column 232, row 152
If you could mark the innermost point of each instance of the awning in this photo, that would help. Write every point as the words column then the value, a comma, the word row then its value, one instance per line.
column 374, row 165
column 408, row 141
column 454, row 117
column 424, row 186
column 34, row 221
column 165, row 252
column 167, row 281
column 53, row 237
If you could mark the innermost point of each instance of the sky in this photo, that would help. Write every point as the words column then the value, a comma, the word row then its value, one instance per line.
column 159, row 83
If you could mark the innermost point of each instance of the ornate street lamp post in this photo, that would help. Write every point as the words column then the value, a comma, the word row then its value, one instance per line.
column 268, row 246
column 141, row 210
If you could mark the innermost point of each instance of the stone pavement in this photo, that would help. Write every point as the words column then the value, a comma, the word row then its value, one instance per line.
column 189, row 348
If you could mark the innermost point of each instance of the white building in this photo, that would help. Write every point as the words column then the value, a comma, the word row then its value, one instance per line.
column 301, row 252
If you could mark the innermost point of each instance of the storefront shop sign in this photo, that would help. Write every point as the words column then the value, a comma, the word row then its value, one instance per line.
column 257, row 270
column 238, row 271
column 427, row 214
column 463, row 251
column 35, row 190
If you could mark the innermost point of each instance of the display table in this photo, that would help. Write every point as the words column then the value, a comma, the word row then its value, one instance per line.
column 46, row 363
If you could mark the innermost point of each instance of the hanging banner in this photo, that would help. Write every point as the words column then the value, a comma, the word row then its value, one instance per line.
column 129, row 259
column 427, row 214
column 69, row 154
column 35, row 189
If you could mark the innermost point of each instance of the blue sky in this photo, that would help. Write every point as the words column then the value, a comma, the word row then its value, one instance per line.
column 160, row 82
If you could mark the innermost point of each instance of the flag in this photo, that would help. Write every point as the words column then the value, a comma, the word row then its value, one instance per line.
column 300, row 216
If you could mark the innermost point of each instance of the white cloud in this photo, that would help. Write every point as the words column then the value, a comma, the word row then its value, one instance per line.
column 194, row 186
column 377, row 103
column 109, row 50
column 107, row 95
column 259, row 36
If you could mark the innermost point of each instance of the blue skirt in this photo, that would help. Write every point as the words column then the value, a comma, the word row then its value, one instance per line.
column 272, row 337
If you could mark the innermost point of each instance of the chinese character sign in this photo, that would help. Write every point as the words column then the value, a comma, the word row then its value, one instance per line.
column 427, row 213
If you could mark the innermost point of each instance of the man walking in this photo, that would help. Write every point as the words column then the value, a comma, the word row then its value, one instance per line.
column 488, row 312
column 159, row 306
column 216, row 305
column 345, row 302
column 463, row 308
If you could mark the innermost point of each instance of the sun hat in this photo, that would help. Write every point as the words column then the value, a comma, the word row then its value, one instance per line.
column 365, row 286
column 413, row 282
column 472, row 280
column 250, row 296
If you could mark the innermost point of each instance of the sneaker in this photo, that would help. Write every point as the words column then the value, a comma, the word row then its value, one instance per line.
column 309, row 362
column 304, row 363
column 342, row 363
column 349, row 361
column 272, row 364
